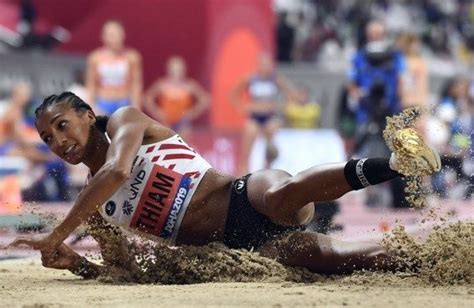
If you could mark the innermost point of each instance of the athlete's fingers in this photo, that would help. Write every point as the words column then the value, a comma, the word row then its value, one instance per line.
column 20, row 241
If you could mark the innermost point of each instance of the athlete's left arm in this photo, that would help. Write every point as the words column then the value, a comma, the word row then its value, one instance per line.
column 202, row 100
column 126, row 127
column 137, row 79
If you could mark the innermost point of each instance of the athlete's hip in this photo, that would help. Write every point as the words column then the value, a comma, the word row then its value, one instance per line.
column 204, row 220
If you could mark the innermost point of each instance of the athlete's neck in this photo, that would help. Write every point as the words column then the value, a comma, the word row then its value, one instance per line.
column 115, row 50
column 96, row 151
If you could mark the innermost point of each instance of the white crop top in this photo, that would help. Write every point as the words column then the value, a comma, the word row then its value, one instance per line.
column 154, row 199
column 113, row 73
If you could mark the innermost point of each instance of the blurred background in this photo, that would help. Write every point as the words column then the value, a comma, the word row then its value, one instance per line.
column 285, row 84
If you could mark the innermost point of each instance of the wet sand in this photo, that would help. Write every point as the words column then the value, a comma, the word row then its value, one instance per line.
column 26, row 283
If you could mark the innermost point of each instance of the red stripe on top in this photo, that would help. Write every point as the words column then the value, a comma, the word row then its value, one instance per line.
column 155, row 158
column 150, row 149
column 194, row 174
column 173, row 146
column 178, row 156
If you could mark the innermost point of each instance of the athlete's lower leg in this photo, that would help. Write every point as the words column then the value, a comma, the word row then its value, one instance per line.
column 322, row 254
column 327, row 182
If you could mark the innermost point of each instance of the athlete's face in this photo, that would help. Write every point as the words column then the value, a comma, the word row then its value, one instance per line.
column 65, row 131
column 113, row 36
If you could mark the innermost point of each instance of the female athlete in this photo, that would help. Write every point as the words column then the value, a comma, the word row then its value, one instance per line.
column 145, row 178
column 114, row 72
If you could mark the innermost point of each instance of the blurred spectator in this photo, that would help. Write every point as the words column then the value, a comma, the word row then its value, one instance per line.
column 45, row 179
column 346, row 120
column 415, row 90
column 446, row 27
column 415, row 78
column 14, row 127
column 302, row 27
column 375, row 77
column 30, row 37
column 114, row 72
column 320, row 33
column 285, row 38
column 176, row 100
column 263, row 88
column 300, row 112
column 454, row 122
column 78, row 85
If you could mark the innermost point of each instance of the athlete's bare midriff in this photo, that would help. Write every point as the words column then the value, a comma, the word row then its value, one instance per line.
column 204, row 220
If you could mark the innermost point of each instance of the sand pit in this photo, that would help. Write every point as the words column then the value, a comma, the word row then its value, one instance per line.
column 26, row 283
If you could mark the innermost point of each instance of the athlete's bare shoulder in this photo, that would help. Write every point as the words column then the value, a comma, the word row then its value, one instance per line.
column 133, row 54
column 136, row 119
column 96, row 54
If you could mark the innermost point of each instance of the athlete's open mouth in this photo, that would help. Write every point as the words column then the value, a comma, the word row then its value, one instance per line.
column 69, row 150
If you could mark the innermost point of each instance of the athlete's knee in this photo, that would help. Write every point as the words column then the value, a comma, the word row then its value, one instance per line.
column 284, row 205
column 278, row 194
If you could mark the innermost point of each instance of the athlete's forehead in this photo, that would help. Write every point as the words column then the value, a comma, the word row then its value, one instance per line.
column 51, row 113
column 56, row 108
column 112, row 26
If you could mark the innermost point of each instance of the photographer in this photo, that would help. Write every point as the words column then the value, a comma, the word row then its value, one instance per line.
column 374, row 94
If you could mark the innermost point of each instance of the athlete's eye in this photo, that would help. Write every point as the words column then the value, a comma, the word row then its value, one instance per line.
column 47, row 139
column 61, row 124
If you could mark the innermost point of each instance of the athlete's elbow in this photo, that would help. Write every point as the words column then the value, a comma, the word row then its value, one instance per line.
column 120, row 174
column 117, row 173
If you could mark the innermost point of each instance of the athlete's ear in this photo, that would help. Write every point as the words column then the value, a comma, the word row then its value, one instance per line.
column 90, row 117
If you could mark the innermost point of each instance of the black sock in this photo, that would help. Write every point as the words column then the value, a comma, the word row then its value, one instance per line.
column 361, row 173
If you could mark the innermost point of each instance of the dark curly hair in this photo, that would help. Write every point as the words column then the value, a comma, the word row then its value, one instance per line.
column 75, row 102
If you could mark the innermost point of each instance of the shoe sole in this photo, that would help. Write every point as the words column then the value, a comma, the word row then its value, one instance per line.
column 410, row 143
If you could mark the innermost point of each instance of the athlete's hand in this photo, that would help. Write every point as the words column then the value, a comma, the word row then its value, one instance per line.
column 61, row 258
column 43, row 242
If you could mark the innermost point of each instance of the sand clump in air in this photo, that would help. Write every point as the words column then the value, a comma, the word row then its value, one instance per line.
column 416, row 192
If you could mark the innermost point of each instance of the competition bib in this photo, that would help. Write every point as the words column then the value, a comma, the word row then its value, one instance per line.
column 149, row 201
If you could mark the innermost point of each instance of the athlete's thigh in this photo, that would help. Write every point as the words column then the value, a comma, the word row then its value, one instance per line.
column 271, row 127
column 251, row 128
column 259, row 183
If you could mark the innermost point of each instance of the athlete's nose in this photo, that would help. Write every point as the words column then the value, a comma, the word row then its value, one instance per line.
column 60, row 140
